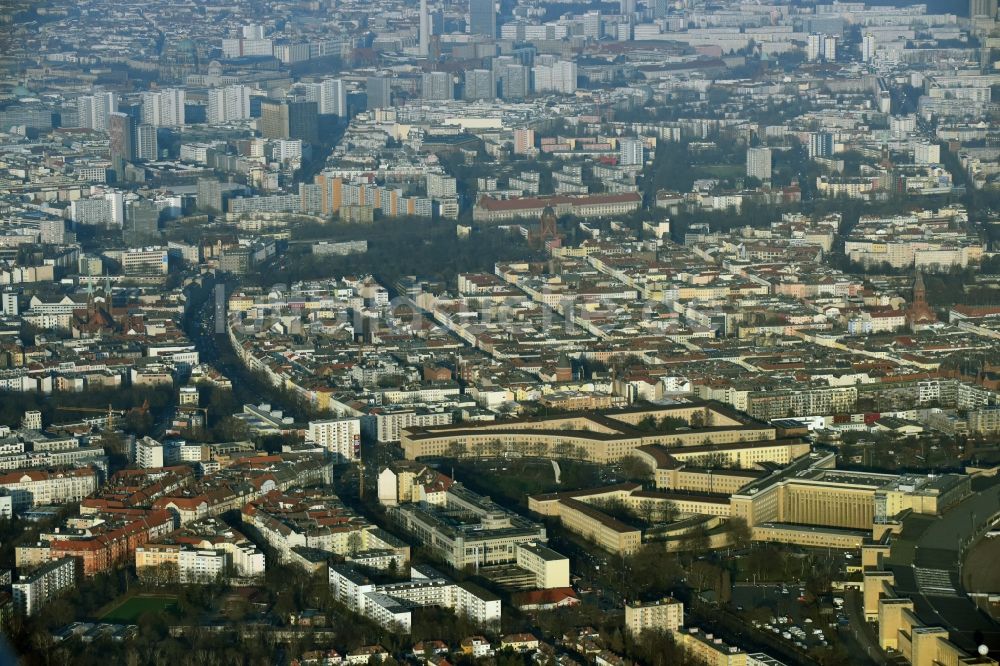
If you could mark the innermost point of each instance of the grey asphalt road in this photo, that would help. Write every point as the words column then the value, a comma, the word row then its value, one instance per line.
column 859, row 633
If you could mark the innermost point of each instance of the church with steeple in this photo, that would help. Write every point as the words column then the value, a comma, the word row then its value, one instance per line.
column 920, row 315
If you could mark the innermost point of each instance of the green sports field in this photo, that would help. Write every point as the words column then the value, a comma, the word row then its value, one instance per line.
column 133, row 608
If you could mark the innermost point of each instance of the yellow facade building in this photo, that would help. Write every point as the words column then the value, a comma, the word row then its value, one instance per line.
column 708, row 649
column 664, row 615
column 599, row 437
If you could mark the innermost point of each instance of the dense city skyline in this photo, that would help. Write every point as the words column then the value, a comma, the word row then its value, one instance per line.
column 499, row 332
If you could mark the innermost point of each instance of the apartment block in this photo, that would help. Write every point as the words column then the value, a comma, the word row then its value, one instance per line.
column 391, row 605
column 33, row 591
column 663, row 615
column 341, row 437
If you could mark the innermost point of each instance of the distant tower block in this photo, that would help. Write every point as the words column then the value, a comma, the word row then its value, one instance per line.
column 424, row 29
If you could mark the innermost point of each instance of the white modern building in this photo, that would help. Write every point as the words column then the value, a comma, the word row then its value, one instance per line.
column 759, row 163
column 391, row 605
column 164, row 108
column 35, row 590
column 868, row 45
column 341, row 437
column 330, row 96
column 93, row 110
column 201, row 565
column 554, row 75
column 631, row 152
column 228, row 104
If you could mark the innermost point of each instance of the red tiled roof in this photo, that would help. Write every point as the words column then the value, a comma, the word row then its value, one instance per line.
column 544, row 597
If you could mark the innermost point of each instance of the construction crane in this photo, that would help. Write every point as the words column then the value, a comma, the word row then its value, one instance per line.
column 110, row 412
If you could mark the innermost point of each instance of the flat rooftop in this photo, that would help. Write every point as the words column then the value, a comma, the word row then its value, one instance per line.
column 543, row 552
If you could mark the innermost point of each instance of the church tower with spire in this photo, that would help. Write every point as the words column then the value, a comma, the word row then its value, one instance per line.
column 920, row 314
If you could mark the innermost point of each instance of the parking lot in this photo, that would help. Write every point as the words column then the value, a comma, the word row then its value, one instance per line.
column 783, row 611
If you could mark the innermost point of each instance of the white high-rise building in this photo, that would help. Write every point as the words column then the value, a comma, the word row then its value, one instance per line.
column 85, row 111
column 631, row 152
column 330, row 96
column 830, row 48
column 93, row 110
column 480, row 84
column 564, row 78
column 553, row 75
column 164, row 108
column 107, row 211
column 285, row 150
column 885, row 102
column 926, row 153
column 150, row 453
column 820, row 144
column 152, row 109
column 146, row 146
column 982, row 8
column 437, row 86
column 901, row 127
column 868, row 47
column 10, row 303
column 592, row 26
column 32, row 592
column 252, row 32
column 228, row 104
column 759, row 163
column 441, row 186
column 53, row 232
column 341, row 437
column 116, row 201
column 425, row 29
column 814, row 47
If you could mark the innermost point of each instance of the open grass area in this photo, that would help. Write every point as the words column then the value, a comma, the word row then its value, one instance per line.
column 722, row 171
column 511, row 481
column 135, row 607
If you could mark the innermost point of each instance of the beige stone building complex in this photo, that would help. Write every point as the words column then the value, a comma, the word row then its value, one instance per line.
column 901, row 630
column 807, row 502
column 600, row 437
column 708, row 649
